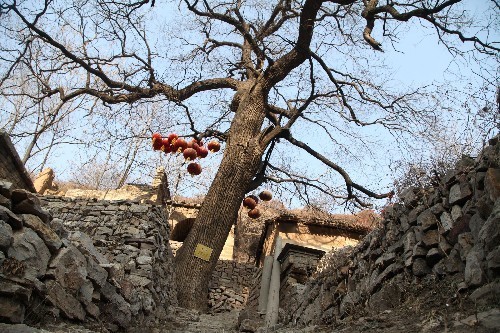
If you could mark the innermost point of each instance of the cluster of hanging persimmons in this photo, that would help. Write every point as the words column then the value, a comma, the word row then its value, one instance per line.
column 191, row 150
column 252, row 201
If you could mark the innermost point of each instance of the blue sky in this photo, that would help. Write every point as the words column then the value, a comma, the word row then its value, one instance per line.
column 419, row 60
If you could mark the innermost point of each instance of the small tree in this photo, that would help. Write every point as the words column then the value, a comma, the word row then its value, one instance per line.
column 284, row 69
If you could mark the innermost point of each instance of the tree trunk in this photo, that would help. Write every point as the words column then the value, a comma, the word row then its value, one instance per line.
column 242, row 156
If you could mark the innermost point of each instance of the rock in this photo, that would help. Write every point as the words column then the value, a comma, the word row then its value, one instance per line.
column 69, row 305
column 437, row 209
column 456, row 212
column 388, row 297
column 490, row 232
column 6, row 238
column 459, row 193
column 488, row 319
column 484, row 207
column 349, row 302
column 427, row 220
column 453, row 263
column 5, row 202
column 492, row 183
column 420, row 267
column 144, row 260
column 487, row 294
column 493, row 261
column 474, row 275
column 11, row 310
column 446, row 221
column 85, row 245
column 10, row 218
column 50, row 238
column 409, row 242
column 433, row 257
column 95, row 272
column 44, row 180
column 460, row 226
column 249, row 326
column 31, row 206
column 116, row 310
column 58, row 226
column 385, row 260
column 6, row 188
column 69, row 268
column 19, row 195
column 466, row 242
column 475, row 225
column 431, row 238
column 15, row 290
column 19, row 328
column 31, row 250
column 419, row 251
column 139, row 281
column 410, row 196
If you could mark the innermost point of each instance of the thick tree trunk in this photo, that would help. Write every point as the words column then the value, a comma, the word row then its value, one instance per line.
column 242, row 156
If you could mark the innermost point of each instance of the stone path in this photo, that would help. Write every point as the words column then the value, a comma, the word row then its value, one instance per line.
column 190, row 322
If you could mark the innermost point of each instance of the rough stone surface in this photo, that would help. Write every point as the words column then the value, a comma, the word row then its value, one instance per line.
column 50, row 238
column 10, row 218
column 44, row 180
column 11, row 310
column 69, row 268
column 31, row 250
column 6, row 238
column 69, row 305
column 492, row 183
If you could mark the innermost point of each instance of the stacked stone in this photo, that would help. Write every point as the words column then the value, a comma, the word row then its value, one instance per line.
column 133, row 240
column 450, row 231
column 230, row 285
column 224, row 299
column 49, row 272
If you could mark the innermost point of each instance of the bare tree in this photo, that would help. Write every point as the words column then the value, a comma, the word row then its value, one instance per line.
column 271, row 76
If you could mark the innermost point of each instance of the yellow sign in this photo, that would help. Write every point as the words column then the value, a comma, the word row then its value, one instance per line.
column 203, row 252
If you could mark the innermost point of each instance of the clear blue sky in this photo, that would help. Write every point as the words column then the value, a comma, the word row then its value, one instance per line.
column 419, row 60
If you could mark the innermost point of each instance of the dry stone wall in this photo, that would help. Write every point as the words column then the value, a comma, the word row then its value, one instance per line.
column 448, row 234
column 451, row 230
column 103, row 264
column 230, row 285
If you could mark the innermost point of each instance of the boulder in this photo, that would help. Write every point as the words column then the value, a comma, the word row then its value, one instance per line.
column 44, row 180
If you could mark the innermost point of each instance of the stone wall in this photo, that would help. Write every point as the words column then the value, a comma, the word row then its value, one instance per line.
column 230, row 285
column 103, row 264
column 446, row 236
column 451, row 231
